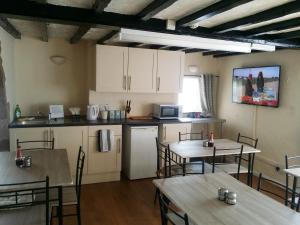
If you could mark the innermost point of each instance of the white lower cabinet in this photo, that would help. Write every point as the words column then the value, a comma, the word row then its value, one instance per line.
column 98, row 166
column 170, row 132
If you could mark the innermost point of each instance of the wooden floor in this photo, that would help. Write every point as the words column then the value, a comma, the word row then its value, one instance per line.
column 122, row 203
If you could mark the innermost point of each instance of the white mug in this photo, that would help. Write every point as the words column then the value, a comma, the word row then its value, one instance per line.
column 104, row 115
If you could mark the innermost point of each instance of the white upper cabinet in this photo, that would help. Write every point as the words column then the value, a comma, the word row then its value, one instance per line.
column 141, row 70
column 111, row 68
column 170, row 67
column 122, row 69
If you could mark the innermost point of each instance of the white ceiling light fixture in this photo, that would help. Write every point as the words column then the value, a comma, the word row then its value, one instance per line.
column 128, row 35
column 262, row 47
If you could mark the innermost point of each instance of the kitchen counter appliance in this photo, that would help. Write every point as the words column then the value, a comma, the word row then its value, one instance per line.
column 166, row 111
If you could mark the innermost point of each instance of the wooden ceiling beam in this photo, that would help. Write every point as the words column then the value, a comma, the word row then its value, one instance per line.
column 193, row 50
column 9, row 28
column 98, row 7
column 213, row 53
column 44, row 27
column 269, row 14
column 210, row 11
column 32, row 11
column 154, row 8
column 283, row 36
column 106, row 37
column 226, row 54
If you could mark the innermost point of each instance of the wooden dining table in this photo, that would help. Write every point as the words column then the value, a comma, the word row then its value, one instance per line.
column 295, row 172
column 182, row 151
column 197, row 196
column 52, row 163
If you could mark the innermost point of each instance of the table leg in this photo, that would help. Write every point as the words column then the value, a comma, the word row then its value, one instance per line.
column 60, row 207
column 249, row 169
column 294, row 193
column 183, row 166
column 252, row 166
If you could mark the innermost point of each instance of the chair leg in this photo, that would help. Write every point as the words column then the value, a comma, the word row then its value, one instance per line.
column 156, row 195
column 78, row 214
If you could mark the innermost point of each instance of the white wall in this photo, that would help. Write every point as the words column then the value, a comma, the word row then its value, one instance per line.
column 40, row 82
column 7, row 55
column 277, row 128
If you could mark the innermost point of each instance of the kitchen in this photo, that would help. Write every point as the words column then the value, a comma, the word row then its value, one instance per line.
column 101, row 79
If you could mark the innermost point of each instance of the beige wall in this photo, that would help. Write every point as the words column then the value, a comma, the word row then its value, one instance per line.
column 40, row 82
column 7, row 56
column 277, row 128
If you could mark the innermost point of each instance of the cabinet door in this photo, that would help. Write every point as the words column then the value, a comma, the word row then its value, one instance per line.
column 170, row 65
column 111, row 68
column 141, row 70
column 71, row 138
column 29, row 134
column 104, row 162
column 170, row 132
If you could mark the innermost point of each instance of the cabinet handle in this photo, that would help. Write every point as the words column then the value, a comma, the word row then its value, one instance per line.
column 124, row 82
column 129, row 83
column 158, row 83
column 119, row 145
column 165, row 133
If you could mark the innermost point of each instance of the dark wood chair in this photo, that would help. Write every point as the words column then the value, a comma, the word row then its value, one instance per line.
column 230, row 168
column 170, row 214
column 18, row 205
column 264, row 185
column 36, row 145
column 72, row 194
column 195, row 165
column 292, row 162
column 252, row 142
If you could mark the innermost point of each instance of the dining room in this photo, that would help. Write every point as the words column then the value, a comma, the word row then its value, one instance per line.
column 150, row 112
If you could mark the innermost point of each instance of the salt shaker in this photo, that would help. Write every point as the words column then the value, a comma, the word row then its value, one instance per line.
column 231, row 198
column 222, row 193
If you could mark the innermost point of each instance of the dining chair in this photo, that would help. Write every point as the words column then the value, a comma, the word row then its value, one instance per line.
column 291, row 162
column 195, row 165
column 252, row 142
column 169, row 214
column 18, row 205
column 36, row 145
column 230, row 168
column 72, row 194
column 265, row 185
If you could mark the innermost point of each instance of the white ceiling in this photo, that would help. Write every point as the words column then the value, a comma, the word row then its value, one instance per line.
column 176, row 11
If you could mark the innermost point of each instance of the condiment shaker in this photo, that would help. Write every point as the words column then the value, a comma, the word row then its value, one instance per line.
column 222, row 193
column 231, row 198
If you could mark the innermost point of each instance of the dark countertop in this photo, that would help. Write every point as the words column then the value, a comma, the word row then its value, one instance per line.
column 44, row 122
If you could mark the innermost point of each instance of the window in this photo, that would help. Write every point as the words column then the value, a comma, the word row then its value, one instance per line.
column 190, row 96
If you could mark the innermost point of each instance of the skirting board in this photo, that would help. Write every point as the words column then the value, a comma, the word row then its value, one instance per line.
column 99, row 178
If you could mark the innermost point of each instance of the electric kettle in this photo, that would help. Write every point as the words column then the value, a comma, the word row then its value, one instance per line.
column 92, row 112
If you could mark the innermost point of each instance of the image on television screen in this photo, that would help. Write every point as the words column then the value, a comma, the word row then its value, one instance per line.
column 256, row 85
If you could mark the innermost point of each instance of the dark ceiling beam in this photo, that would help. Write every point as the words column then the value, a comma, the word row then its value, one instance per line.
column 213, row 53
column 154, row 8
column 98, row 7
column 226, row 54
column 269, row 14
column 284, row 36
column 193, row 50
column 44, row 27
column 106, row 37
column 32, row 11
column 287, row 24
column 210, row 11
column 9, row 28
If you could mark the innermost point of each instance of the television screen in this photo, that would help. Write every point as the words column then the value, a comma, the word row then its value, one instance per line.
column 256, row 85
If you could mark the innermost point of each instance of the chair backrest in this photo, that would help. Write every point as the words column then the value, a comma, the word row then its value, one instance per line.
column 79, row 171
column 247, row 140
column 36, row 145
column 163, row 163
column 165, row 208
column 191, row 136
column 265, row 185
column 20, row 195
column 237, row 152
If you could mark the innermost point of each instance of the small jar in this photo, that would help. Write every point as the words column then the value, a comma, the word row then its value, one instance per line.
column 222, row 193
column 231, row 198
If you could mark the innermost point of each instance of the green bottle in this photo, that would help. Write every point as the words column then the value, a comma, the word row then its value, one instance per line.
column 17, row 112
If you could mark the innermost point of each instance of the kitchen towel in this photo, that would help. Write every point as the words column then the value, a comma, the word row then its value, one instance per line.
column 105, row 140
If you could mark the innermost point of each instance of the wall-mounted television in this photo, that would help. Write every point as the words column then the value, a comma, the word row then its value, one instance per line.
column 256, row 85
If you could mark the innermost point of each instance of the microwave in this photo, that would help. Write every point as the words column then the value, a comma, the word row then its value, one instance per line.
column 166, row 111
